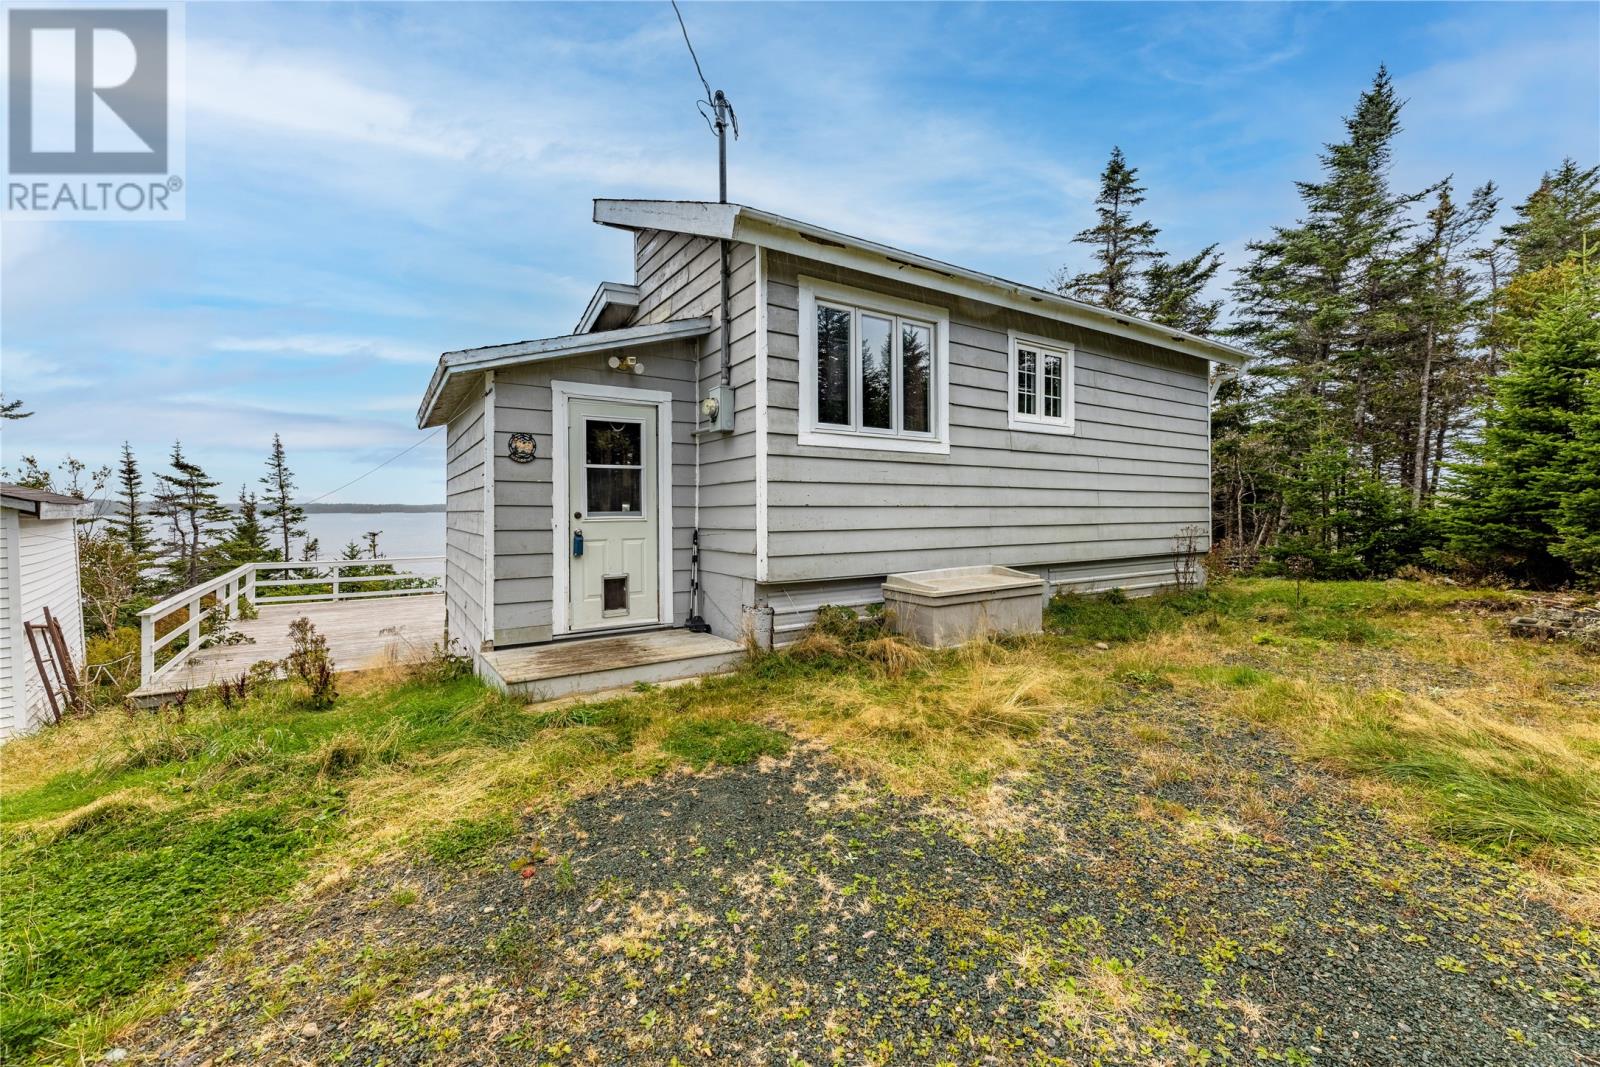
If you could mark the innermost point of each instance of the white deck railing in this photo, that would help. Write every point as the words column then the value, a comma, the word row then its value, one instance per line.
column 226, row 591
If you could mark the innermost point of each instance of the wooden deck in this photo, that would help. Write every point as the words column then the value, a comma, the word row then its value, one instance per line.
column 361, row 634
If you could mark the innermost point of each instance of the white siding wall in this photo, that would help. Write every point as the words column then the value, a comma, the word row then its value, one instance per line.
column 41, row 570
column 1105, row 501
column 463, row 525
column 10, row 622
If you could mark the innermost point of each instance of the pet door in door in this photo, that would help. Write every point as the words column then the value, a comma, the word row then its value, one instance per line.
column 615, row 594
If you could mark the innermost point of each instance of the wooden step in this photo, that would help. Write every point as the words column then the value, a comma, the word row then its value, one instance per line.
column 592, row 664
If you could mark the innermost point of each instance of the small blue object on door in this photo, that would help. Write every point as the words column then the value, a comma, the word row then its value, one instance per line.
column 577, row 543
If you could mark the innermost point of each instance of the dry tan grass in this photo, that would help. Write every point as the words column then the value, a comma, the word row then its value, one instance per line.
column 1167, row 766
column 894, row 656
column 1110, row 997
column 948, row 730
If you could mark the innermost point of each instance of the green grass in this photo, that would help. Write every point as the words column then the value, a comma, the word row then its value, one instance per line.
column 727, row 742
column 1341, row 612
column 127, row 841
column 116, row 870
column 1512, row 805
column 1476, row 729
column 1112, row 617
column 468, row 839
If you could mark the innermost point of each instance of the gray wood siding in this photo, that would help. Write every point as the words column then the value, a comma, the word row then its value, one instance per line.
column 679, row 276
column 463, row 525
column 524, row 582
column 1135, row 473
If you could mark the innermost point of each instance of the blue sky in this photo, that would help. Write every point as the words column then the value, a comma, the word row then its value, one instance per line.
column 370, row 185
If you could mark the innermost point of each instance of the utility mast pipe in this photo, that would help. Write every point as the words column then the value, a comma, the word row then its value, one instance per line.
column 719, row 102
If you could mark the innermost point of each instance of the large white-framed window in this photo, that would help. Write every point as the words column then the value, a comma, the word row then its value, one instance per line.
column 1041, row 392
column 874, row 370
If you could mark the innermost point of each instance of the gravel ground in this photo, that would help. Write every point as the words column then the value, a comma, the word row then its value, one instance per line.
column 1160, row 888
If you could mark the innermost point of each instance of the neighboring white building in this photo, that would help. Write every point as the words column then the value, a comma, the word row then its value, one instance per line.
column 38, row 570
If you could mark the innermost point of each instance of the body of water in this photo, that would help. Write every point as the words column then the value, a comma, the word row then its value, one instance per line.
column 400, row 533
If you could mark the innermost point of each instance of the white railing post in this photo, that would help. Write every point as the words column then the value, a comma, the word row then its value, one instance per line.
column 196, row 614
column 147, row 648
column 250, row 583
column 338, row 571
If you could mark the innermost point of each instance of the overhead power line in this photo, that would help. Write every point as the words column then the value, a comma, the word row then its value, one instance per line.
column 374, row 470
column 692, row 56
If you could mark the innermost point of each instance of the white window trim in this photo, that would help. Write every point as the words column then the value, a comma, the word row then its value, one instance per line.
column 1064, row 426
column 814, row 435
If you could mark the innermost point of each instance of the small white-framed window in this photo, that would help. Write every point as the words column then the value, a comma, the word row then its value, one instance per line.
column 1040, row 392
column 874, row 370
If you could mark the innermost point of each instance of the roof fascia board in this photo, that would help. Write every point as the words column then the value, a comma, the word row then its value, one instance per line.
column 840, row 250
column 678, row 216
column 48, row 509
column 473, row 360
column 608, row 293
column 753, row 226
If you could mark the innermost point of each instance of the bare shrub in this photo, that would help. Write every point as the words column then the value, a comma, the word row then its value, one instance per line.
column 309, row 661
column 1186, row 557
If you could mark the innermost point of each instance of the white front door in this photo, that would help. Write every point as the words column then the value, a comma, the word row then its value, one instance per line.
column 613, row 497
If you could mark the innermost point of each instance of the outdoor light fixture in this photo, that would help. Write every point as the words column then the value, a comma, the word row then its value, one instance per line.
column 626, row 363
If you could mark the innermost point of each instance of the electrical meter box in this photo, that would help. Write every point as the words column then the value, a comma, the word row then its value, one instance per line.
column 716, row 410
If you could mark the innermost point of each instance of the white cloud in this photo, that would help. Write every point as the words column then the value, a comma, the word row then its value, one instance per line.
column 327, row 346
column 23, row 371
column 302, row 95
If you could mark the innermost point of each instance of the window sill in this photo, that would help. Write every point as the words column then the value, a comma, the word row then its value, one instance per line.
column 1059, row 429
column 871, row 443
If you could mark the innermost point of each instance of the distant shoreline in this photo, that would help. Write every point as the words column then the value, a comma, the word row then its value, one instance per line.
column 145, row 507
column 367, row 509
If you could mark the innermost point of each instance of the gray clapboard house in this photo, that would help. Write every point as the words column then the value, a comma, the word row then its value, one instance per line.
column 772, row 416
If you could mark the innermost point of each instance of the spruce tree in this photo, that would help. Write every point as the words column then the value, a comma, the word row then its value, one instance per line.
column 1577, row 520
column 1518, row 507
column 1121, row 246
column 247, row 539
column 1333, row 307
column 279, row 508
column 1172, row 293
column 1320, row 299
column 129, row 522
column 186, row 501
column 1559, row 219
column 1444, row 305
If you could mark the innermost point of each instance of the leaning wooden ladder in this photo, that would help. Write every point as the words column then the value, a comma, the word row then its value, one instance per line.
column 54, row 663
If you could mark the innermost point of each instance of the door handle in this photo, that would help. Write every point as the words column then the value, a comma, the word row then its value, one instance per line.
column 577, row 543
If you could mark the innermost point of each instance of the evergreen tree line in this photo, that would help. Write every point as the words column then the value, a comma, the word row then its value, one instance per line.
column 173, row 531
column 1424, row 386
